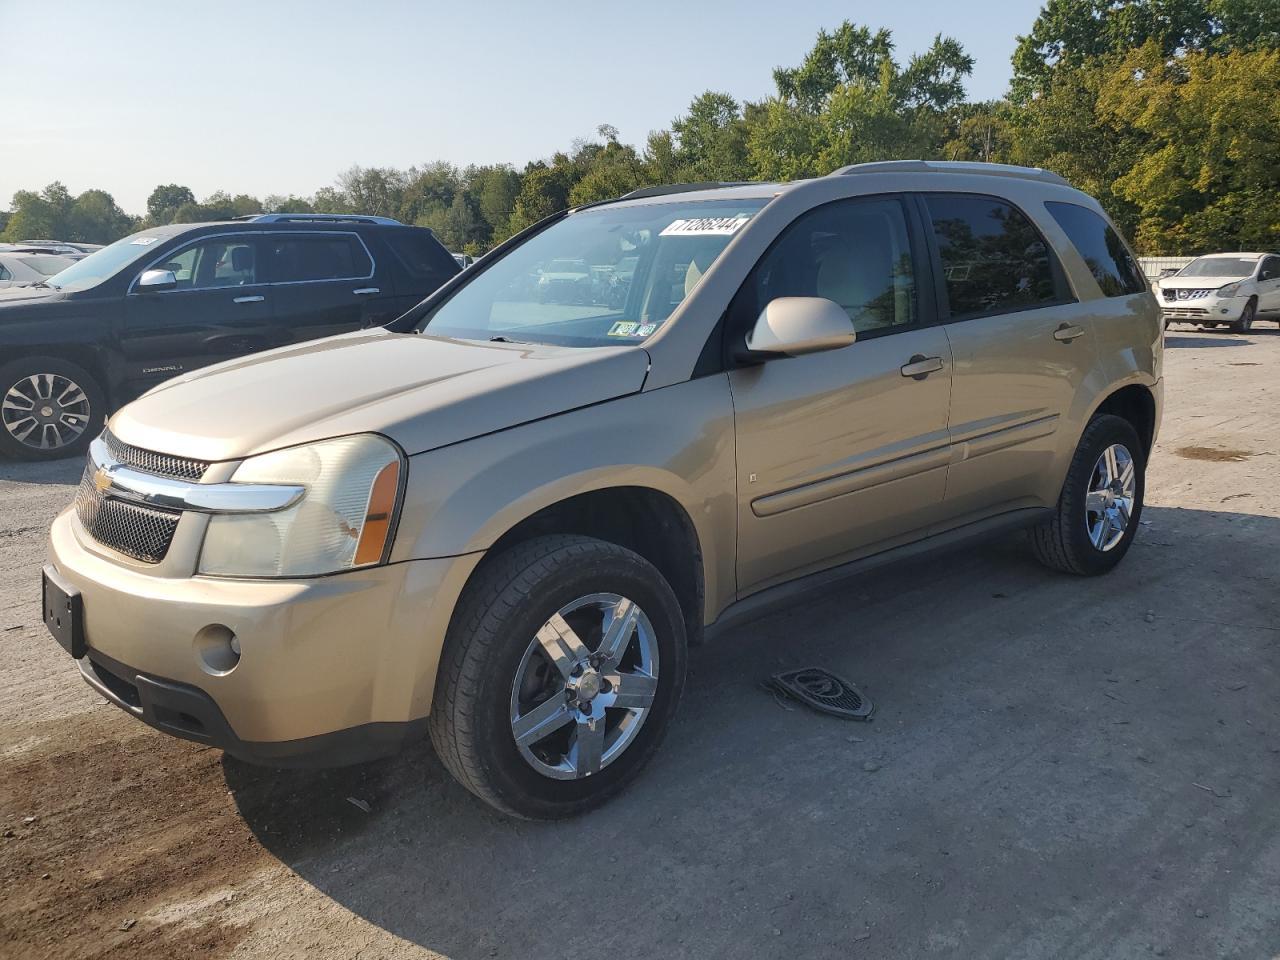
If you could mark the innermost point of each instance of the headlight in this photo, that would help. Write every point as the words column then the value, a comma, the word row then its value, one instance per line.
column 342, row 521
column 1231, row 289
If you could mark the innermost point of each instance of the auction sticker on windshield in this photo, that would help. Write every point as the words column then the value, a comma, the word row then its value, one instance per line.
column 143, row 241
column 704, row 227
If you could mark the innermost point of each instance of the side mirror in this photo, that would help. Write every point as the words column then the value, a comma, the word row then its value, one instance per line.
column 153, row 281
column 794, row 326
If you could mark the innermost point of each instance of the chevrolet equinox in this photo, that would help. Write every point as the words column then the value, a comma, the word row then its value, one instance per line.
column 506, row 515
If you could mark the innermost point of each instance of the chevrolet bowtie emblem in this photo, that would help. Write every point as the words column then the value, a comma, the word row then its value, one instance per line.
column 101, row 480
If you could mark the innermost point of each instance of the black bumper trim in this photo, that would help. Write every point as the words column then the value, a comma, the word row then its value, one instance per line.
column 186, row 711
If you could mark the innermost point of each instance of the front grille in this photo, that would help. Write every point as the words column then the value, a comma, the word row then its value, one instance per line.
column 143, row 533
column 161, row 464
column 1172, row 294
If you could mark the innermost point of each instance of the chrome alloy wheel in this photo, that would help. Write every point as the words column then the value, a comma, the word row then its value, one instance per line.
column 585, row 686
column 1109, row 503
column 45, row 411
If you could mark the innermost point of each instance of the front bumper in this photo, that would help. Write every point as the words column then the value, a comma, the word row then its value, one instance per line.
column 331, row 669
column 1204, row 309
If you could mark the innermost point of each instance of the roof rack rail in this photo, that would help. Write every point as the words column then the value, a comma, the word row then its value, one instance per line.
column 952, row 166
column 663, row 189
column 319, row 218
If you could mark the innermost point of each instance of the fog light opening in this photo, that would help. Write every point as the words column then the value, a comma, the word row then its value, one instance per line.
column 217, row 649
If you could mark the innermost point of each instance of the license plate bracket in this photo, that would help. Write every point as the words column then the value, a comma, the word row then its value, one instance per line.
column 63, row 611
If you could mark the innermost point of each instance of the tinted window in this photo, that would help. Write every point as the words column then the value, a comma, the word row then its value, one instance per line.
column 4, row 273
column 420, row 255
column 317, row 258
column 1101, row 248
column 857, row 253
column 1270, row 269
column 993, row 258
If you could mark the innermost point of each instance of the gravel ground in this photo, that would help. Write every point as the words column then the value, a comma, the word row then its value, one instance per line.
column 1058, row 767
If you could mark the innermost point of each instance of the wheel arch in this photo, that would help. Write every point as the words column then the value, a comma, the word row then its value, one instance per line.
column 1136, row 403
column 643, row 519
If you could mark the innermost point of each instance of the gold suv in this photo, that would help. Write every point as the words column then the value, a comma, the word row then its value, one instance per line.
column 505, row 516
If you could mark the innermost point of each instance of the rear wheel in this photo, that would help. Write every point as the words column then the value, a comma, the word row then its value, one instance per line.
column 48, row 409
column 560, row 674
column 1101, row 502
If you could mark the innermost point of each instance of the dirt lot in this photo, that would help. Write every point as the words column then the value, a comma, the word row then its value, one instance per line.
column 1058, row 767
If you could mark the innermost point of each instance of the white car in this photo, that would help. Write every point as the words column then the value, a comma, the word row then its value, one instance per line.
column 20, row 269
column 1223, row 288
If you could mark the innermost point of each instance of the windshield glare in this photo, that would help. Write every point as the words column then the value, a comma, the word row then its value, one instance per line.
column 1219, row 267
column 105, row 263
column 603, row 277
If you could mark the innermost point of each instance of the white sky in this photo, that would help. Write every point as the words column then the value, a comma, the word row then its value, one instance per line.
column 278, row 96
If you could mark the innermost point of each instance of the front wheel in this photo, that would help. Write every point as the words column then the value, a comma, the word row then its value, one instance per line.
column 561, row 671
column 49, row 409
column 1101, row 502
column 1245, row 323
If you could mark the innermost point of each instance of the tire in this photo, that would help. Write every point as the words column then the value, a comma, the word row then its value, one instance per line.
column 1064, row 541
column 68, row 428
column 492, row 640
column 1245, row 323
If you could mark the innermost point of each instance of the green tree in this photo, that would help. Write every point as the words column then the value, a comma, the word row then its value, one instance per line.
column 712, row 139
column 95, row 218
column 1207, row 178
column 164, row 202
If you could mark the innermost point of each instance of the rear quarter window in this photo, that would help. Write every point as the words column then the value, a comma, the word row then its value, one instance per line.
column 421, row 255
column 1101, row 248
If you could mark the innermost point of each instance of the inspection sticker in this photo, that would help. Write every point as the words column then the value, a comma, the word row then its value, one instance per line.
column 623, row 328
column 143, row 241
column 704, row 227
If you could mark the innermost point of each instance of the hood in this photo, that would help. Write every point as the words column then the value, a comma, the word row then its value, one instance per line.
column 16, row 295
column 1197, row 283
column 423, row 392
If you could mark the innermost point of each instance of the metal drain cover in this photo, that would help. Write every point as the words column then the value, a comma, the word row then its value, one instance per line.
column 824, row 691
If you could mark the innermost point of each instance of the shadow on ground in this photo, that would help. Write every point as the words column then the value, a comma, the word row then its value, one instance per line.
column 1057, row 766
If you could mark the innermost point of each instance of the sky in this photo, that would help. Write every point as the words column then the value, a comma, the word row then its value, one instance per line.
column 279, row 96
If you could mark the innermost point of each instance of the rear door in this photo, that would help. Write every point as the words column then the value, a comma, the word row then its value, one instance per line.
column 845, row 452
column 218, row 310
column 322, row 283
column 1021, row 344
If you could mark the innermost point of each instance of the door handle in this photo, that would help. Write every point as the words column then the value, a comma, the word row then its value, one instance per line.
column 257, row 299
column 364, row 291
column 920, row 366
column 1068, row 332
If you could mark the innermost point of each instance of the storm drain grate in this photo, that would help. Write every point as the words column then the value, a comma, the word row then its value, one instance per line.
column 824, row 691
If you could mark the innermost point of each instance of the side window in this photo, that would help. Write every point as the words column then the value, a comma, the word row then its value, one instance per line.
column 217, row 262
column 855, row 252
column 1270, row 269
column 993, row 258
column 421, row 256
column 4, row 273
column 322, row 257
column 1101, row 248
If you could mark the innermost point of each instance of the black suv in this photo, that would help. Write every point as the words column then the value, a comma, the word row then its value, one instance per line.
column 171, row 299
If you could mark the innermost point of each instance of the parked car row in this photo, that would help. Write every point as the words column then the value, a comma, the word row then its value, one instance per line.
column 506, row 515
column 85, row 340
column 1223, row 289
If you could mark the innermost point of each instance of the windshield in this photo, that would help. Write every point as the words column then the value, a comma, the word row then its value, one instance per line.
column 105, row 263
column 601, row 277
column 46, row 266
column 1219, row 267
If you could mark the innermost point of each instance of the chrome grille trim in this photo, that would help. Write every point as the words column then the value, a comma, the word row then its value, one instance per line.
column 143, row 533
column 161, row 464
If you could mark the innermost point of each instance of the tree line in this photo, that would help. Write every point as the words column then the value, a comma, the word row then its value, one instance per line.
column 1167, row 110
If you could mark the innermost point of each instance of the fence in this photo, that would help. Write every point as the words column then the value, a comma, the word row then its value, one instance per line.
column 1152, row 267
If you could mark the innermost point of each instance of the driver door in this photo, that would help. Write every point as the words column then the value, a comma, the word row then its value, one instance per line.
column 844, row 453
column 220, row 309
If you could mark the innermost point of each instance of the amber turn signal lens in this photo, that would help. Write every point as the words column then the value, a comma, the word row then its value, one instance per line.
column 377, row 519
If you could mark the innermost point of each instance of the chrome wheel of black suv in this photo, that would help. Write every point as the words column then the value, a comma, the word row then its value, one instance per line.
column 48, row 409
